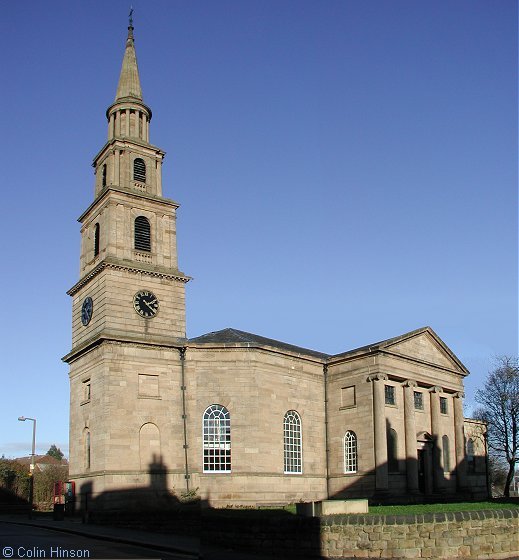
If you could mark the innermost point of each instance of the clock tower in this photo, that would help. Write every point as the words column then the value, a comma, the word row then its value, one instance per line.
column 128, row 311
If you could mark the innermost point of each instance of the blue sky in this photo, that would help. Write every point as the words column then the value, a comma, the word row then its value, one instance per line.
column 347, row 172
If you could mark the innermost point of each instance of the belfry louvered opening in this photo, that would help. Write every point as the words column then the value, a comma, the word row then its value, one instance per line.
column 139, row 170
column 142, row 234
column 96, row 240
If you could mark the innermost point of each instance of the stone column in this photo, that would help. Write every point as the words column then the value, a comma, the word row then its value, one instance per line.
column 158, row 171
column 379, row 424
column 127, row 122
column 117, row 124
column 437, row 439
column 144, row 128
column 461, row 464
column 117, row 170
column 411, row 454
column 111, row 127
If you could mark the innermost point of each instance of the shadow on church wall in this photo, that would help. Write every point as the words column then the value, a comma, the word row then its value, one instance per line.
column 153, row 507
column 270, row 532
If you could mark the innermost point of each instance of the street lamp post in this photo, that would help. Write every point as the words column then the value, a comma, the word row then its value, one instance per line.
column 33, row 453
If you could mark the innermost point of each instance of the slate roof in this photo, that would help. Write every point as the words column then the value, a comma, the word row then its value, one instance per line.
column 235, row 336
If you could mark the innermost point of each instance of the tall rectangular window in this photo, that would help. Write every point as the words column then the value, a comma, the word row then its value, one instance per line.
column 292, row 443
column 389, row 392
column 418, row 400
column 217, row 439
column 443, row 405
column 350, row 452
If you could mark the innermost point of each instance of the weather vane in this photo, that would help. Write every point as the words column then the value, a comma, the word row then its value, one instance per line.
column 130, row 16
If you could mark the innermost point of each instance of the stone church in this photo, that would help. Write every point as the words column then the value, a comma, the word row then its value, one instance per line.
column 230, row 416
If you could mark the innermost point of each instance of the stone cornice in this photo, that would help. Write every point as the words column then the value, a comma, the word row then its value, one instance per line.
column 122, row 339
column 115, row 264
column 127, row 192
column 125, row 141
column 225, row 346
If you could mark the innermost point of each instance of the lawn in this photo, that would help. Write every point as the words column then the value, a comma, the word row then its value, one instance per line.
column 410, row 509
column 443, row 507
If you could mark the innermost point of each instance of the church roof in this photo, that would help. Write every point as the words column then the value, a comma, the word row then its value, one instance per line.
column 390, row 343
column 129, row 81
column 235, row 336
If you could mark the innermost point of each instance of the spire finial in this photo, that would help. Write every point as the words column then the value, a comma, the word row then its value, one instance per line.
column 130, row 26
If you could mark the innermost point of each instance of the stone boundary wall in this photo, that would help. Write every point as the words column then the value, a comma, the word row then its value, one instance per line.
column 481, row 535
column 488, row 534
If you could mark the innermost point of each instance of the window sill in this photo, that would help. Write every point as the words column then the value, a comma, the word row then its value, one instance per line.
column 156, row 398
column 348, row 407
column 391, row 405
column 293, row 473
column 84, row 402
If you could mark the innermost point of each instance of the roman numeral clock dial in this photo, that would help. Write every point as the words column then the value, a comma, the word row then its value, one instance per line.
column 146, row 304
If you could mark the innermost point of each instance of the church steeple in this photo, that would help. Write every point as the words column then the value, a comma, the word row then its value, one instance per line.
column 129, row 82
column 128, row 116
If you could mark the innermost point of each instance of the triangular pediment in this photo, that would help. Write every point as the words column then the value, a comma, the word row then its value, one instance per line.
column 425, row 346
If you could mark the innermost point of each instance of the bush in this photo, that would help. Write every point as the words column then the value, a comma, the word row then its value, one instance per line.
column 44, row 484
column 14, row 481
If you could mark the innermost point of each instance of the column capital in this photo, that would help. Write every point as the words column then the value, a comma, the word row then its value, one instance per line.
column 377, row 377
column 409, row 383
column 459, row 395
column 436, row 389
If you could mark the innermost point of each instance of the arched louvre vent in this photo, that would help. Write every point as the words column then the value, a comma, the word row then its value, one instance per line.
column 104, row 175
column 96, row 240
column 139, row 170
column 142, row 234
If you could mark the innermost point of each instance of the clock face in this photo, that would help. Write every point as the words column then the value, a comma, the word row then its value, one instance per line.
column 86, row 311
column 146, row 304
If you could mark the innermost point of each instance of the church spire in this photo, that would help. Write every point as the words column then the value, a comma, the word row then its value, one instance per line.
column 129, row 82
column 128, row 116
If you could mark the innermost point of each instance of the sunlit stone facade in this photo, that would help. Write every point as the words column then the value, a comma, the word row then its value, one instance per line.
column 233, row 417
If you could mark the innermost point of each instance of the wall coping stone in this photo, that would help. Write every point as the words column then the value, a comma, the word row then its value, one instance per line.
column 410, row 519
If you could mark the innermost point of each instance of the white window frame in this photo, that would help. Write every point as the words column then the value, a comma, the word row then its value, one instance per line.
column 216, row 440
column 350, row 452
column 292, row 443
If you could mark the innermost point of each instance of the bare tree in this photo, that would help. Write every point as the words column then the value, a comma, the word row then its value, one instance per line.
column 499, row 400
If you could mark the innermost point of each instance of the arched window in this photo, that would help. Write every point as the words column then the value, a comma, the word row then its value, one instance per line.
column 86, row 443
column 217, row 439
column 139, row 170
column 392, row 450
column 293, row 444
column 96, row 240
column 142, row 234
column 471, row 458
column 350, row 452
column 446, row 454
column 104, row 175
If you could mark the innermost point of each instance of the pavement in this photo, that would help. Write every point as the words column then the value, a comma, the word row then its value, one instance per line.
column 178, row 544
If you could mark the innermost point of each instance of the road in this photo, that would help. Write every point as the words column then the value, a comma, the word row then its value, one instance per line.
column 23, row 541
